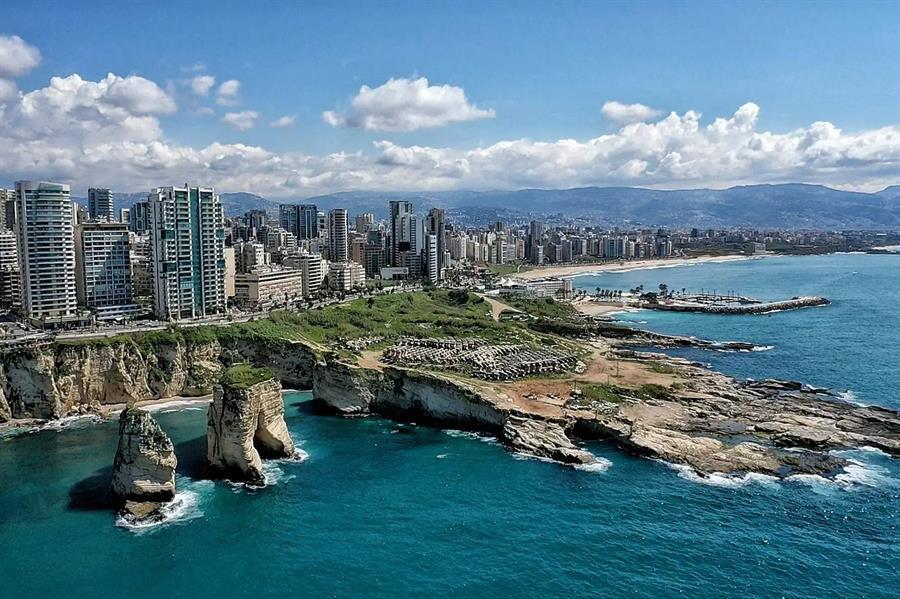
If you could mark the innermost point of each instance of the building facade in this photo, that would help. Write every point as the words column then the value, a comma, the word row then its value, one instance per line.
column 187, row 228
column 46, row 242
column 338, row 235
column 268, row 287
column 103, row 270
column 100, row 204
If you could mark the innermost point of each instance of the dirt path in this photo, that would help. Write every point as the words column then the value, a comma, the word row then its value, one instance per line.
column 498, row 307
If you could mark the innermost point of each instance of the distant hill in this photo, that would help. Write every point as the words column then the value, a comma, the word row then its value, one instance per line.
column 787, row 206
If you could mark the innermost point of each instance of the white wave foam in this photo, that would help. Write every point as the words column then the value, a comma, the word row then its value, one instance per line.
column 598, row 466
column 721, row 479
column 185, row 506
column 856, row 475
column 67, row 422
column 850, row 397
column 763, row 347
column 469, row 435
column 441, row 456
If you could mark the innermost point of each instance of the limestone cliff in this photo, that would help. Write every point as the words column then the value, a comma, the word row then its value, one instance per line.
column 53, row 379
column 244, row 421
column 144, row 466
column 352, row 391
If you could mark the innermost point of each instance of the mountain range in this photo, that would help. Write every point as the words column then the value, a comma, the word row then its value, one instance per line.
column 785, row 206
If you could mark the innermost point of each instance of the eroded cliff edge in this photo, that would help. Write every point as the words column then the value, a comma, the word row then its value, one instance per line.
column 711, row 422
column 52, row 380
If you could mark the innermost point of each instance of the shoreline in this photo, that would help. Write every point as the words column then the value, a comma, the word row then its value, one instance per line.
column 579, row 270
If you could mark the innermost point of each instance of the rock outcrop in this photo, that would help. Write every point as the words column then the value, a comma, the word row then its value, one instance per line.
column 245, row 421
column 144, row 467
column 543, row 439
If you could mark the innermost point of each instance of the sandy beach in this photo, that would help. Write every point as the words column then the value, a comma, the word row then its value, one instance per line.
column 587, row 269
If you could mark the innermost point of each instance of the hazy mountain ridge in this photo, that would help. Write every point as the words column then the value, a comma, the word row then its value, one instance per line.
column 788, row 206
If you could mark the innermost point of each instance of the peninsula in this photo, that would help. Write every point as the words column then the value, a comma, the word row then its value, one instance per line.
column 535, row 373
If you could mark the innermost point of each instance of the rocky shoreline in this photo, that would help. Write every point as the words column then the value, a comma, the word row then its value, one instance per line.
column 708, row 421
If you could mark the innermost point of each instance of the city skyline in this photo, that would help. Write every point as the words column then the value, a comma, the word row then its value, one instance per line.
column 312, row 103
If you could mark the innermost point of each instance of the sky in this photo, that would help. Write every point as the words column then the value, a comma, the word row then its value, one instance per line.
column 296, row 99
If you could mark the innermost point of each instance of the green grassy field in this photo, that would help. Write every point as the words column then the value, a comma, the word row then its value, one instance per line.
column 244, row 376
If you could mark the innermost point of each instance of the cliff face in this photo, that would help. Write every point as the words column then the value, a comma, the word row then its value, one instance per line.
column 241, row 424
column 354, row 391
column 51, row 380
column 144, row 468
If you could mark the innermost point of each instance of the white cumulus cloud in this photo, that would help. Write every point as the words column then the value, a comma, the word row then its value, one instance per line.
column 285, row 121
column 17, row 56
column 108, row 132
column 628, row 113
column 201, row 84
column 406, row 105
column 228, row 93
column 243, row 120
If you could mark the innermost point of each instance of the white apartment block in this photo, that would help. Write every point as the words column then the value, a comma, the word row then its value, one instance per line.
column 46, row 240
column 187, row 229
column 345, row 276
column 268, row 287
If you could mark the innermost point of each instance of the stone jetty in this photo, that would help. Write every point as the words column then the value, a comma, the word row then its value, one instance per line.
column 755, row 308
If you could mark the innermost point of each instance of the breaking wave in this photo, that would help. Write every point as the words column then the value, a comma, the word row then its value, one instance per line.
column 185, row 506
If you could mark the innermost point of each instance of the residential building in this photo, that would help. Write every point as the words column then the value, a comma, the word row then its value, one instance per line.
column 338, row 236
column 345, row 276
column 46, row 242
column 431, row 264
column 401, row 211
column 313, row 268
column 188, row 241
column 364, row 222
column 7, row 209
column 435, row 226
column 10, row 274
column 103, row 270
column 230, row 271
column 139, row 217
column 100, row 204
column 268, row 287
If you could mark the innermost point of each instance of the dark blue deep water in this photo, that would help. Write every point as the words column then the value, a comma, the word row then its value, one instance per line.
column 380, row 509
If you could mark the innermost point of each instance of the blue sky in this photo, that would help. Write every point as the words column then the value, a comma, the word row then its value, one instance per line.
column 543, row 69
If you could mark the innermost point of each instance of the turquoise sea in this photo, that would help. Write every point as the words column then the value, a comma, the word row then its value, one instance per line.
column 381, row 509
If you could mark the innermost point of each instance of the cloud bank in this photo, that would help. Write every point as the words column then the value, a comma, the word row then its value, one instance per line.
column 109, row 133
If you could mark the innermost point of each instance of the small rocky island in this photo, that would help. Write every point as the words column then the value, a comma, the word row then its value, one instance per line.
column 245, row 423
column 144, row 468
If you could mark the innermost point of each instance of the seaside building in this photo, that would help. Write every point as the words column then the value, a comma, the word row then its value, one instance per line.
column 313, row 269
column 338, row 235
column 100, row 204
column 267, row 287
column 46, row 242
column 103, row 270
column 230, row 271
column 188, row 241
column 10, row 274
column 346, row 276
column 550, row 287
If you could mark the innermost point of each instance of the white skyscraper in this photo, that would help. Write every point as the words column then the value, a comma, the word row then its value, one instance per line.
column 187, row 232
column 46, row 237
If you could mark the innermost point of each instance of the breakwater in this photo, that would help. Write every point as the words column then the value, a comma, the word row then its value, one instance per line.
column 760, row 308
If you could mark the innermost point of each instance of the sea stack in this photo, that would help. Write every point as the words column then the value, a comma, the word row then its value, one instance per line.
column 144, row 468
column 246, row 421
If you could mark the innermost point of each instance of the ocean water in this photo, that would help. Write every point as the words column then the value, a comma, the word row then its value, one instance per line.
column 382, row 509
column 851, row 346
